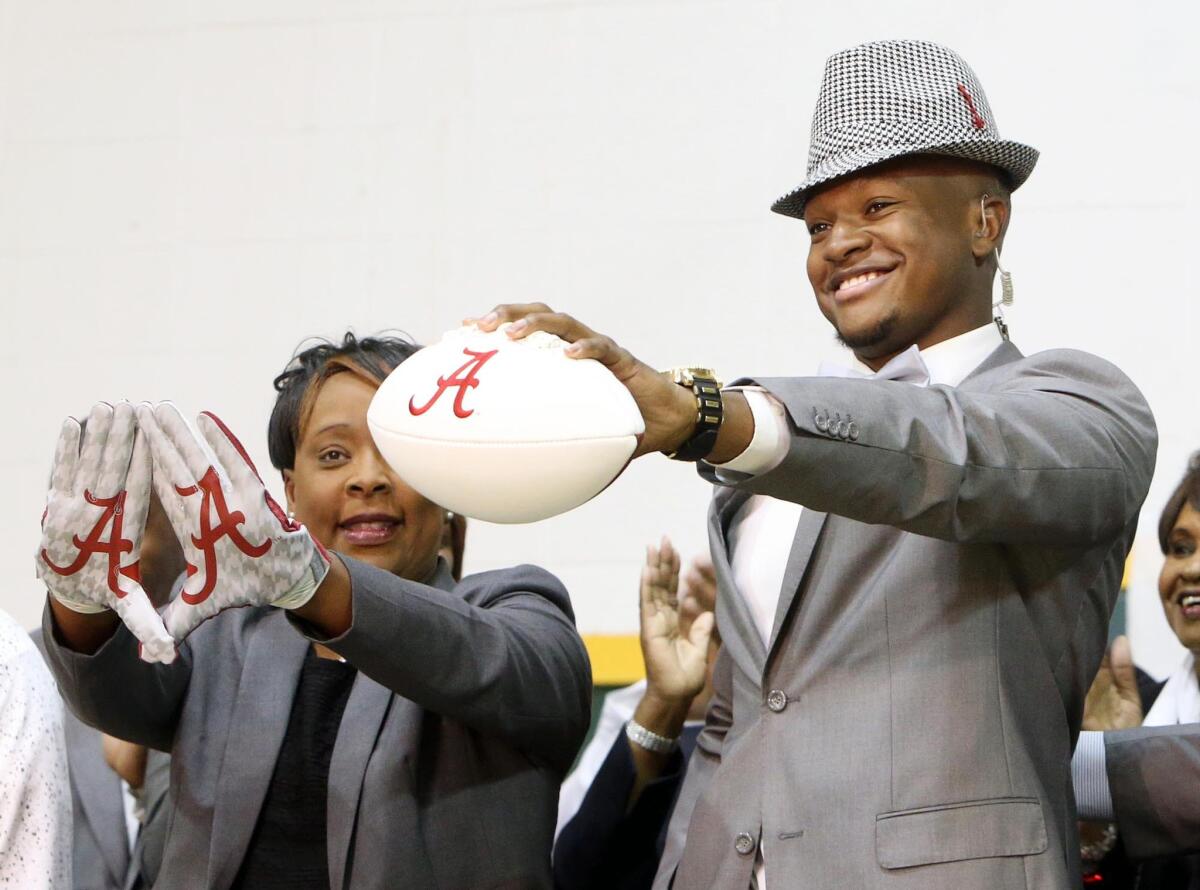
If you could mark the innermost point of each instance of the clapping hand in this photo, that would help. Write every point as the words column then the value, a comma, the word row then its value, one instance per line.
column 676, row 664
column 1113, row 702
column 91, row 542
column 240, row 547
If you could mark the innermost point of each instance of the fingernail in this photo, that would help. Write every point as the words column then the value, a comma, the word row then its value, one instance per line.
column 517, row 326
column 573, row 349
column 490, row 318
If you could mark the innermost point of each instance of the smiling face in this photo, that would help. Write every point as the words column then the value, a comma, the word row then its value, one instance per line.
column 348, row 496
column 1179, row 581
column 899, row 253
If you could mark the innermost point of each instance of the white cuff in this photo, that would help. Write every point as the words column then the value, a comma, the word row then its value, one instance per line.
column 1089, row 775
column 769, row 445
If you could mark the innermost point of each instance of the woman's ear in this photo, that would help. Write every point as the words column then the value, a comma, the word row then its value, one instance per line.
column 289, row 490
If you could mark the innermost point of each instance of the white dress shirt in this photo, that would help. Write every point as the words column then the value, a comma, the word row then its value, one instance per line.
column 35, row 794
column 762, row 532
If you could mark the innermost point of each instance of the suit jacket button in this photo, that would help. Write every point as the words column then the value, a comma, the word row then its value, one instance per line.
column 744, row 844
column 843, row 430
column 820, row 421
column 852, row 431
column 777, row 700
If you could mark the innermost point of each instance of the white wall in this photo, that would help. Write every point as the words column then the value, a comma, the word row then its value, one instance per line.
column 187, row 189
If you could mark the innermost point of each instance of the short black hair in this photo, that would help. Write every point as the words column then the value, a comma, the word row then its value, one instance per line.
column 1186, row 492
column 370, row 357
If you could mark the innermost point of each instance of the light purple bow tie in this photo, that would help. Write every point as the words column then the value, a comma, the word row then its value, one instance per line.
column 907, row 367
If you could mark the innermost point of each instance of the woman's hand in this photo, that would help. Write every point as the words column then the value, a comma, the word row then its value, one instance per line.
column 1114, row 702
column 668, row 410
column 92, row 529
column 240, row 547
column 676, row 664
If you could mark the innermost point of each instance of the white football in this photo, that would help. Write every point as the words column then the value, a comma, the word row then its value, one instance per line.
column 504, row 430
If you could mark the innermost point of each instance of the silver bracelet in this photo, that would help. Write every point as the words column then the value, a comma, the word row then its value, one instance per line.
column 651, row 741
column 1097, row 850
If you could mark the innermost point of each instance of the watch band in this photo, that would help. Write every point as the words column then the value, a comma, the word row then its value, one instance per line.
column 651, row 741
column 710, row 413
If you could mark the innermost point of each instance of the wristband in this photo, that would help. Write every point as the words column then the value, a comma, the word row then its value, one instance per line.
column 651, row 741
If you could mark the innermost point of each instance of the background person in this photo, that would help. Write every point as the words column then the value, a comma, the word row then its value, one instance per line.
column 1123, row 697
column 35, row 793
column 449, row 724
column 107, row 775
column 614, row 808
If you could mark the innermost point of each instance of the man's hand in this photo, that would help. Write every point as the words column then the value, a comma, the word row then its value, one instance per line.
column 1114, row 702
column 91, row 543
column 240, row 547
column 668, row 410
column 676, row 665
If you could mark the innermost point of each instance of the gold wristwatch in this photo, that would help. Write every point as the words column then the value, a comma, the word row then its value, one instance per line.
column 710, row 411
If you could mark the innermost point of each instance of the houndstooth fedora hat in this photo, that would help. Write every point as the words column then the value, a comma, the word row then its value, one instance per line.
column 899, row 97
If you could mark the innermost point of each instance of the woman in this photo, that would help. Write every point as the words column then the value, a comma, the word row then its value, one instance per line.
column 1116, row 704
column 387, row 728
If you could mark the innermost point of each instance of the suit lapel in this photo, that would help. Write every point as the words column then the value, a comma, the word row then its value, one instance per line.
column 99, row 793
column 366, row 710
column 739, row 634
column 807, row 532
column 812, row 522
column 265, row 693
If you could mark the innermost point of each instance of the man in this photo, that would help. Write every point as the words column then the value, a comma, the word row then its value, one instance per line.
column 916, row 571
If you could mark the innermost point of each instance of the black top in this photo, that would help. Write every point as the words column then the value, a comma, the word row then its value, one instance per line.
column 288, row 847
column 609, row 846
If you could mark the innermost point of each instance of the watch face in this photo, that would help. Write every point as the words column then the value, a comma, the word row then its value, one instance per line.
column 687, row 376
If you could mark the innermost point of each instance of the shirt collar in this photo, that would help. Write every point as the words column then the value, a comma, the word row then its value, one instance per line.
column 950, row 361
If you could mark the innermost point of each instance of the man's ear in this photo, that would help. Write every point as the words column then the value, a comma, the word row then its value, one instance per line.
column 991, row 219
column 289, row 489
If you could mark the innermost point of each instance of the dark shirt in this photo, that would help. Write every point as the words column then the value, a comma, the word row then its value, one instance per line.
column 608, row 845
column 288, row 847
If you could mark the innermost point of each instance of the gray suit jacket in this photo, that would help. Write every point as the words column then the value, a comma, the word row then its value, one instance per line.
column 100, row 843
column 469, row 706
column 1154, row 778
column 944, row 608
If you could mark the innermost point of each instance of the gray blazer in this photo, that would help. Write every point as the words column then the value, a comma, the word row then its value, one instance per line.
column 1154, row 778
column 469, row 706
column 943, row 611
column 100, row 842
